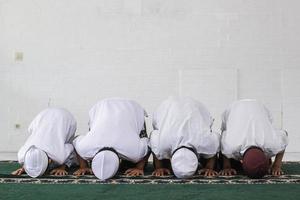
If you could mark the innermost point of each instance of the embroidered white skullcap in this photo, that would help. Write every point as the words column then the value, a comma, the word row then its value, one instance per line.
column 105, row 164
column 35, row 162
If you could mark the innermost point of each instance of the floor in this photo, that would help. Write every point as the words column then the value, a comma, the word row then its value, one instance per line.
column 148, row 187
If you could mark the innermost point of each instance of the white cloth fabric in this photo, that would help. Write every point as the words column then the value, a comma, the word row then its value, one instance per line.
column 105, row 165
column 183, row 121
column 184, row 163
column 52, row 131
column 114, row 123
column 35, row 162
column 248, row 123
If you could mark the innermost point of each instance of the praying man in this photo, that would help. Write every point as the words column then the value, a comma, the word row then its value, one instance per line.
column 49, row 145
column 182, row 137
column 116, row 134
column 249, row 140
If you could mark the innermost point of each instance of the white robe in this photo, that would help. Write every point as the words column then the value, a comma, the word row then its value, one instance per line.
column 248, row 123
column 114, row 123
column 182, row 121
column 52, row 131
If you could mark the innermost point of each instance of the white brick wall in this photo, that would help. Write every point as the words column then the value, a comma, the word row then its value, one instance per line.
column 77, row 52
column 291, row 109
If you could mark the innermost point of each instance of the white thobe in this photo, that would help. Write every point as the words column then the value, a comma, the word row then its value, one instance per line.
column 115, row 123
column 248, row 123
column 182, row 121
column 52, row 131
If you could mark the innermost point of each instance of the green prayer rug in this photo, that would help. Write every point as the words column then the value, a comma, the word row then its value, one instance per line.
column 149, row 188
column 292, row 176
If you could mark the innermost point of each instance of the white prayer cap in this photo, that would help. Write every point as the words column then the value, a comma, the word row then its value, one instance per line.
column 105, row 164
column 184, row 163
column 35, row 162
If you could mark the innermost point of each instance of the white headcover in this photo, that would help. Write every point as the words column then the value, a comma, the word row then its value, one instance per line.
column 248, row 123
column 36, row 162
column 184, row 163
column 105, row 164
column 114, row 123
column 52, row 131
column 183, row 121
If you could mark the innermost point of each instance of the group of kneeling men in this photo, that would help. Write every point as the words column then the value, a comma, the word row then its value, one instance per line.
column 182, row 141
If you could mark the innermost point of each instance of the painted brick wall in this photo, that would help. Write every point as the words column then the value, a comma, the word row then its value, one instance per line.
column 78, row 52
